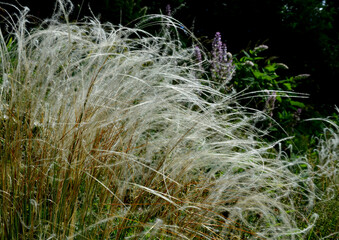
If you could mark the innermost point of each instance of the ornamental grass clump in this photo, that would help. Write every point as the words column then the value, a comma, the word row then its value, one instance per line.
column 107, row 132
column 328, row 155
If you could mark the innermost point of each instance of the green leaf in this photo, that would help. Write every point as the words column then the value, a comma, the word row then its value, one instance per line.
column 288, row 86
column 250, row 79
column 243, row 59
column 246, row 54
column 270, row 68
column 303, row 166
column 259, row 75
column 297, row 104
column 259, row 58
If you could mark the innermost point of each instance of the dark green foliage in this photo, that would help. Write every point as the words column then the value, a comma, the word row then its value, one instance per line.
column 273, row 94
column 309, row 42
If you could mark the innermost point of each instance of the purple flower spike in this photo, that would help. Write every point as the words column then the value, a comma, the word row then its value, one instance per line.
column 198, row 53
column 168, row 10
column 217, row 44
column 297, row 114
column 224, row 53
column 217, row 41
column 222, row 67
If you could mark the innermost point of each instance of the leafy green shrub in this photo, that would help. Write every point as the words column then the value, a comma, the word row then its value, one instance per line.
column 257, row 73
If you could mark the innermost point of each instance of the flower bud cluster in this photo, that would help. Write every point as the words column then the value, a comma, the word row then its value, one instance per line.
column 222, row 66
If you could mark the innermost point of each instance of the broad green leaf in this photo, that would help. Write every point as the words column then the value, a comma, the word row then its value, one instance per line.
column 270, row 68
column 288, row 86
column 297, row 104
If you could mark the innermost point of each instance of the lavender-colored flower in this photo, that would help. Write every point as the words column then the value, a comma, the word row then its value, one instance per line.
column 223, row 53
column 198, row 53
column 168, row 10
column 217, row 43
column 217, row 46
column 297, row 114
column 222, row 67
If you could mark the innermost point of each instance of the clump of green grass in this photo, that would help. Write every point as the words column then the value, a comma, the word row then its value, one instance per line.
column 107, row 132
